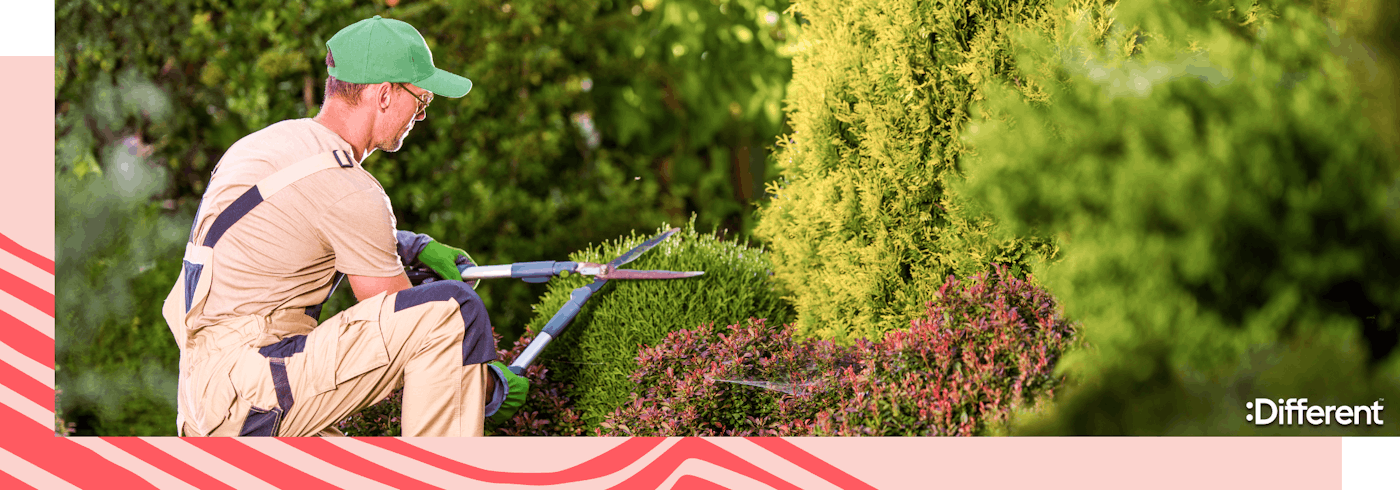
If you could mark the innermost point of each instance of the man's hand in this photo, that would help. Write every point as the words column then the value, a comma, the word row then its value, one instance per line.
column 516, row 388
column 443, row 260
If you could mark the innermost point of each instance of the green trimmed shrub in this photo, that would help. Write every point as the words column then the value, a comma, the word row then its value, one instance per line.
column 598, row 351
column 861, row 225
column 1229, row 217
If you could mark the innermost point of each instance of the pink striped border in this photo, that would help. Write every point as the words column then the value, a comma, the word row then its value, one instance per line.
column 32, row 457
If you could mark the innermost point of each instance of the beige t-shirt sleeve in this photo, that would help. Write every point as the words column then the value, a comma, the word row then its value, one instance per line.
column 360, row 231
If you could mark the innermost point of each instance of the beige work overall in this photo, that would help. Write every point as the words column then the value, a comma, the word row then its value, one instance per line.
column 432, row 340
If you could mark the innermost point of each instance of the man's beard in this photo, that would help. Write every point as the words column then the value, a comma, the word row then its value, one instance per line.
column 399, row 142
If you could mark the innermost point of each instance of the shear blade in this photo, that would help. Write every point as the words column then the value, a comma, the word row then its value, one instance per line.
column 635, row 274
column 639, row 249
column 789, row 388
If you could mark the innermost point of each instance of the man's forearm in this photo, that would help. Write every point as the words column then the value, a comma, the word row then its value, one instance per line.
column 368, row 287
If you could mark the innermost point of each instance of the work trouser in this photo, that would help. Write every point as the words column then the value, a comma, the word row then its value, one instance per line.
column 432, row 340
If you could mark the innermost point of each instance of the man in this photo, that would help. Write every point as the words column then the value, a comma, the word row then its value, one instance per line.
column 290, row 210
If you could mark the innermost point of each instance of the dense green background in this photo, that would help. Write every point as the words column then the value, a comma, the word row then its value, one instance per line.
column 588, row 119
column 1228, row 215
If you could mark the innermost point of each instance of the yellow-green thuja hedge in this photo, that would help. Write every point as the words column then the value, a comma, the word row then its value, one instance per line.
column 860, row 226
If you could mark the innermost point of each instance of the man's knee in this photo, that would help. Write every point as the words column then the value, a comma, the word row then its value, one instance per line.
column 478, row 344
column 436, row 291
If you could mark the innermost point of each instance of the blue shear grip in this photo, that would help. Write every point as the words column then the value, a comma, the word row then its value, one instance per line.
column 540, row 271
column 567, row 312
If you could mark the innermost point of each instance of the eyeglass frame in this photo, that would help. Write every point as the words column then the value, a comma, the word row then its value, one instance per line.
column 422, row 104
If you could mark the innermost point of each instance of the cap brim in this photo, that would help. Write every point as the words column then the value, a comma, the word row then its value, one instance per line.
column 445, row 84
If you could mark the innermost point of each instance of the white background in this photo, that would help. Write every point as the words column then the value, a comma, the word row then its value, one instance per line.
column 1371, row 462
column 27, row 28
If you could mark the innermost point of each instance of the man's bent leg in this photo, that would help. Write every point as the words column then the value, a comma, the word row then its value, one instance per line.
column 445, row 379
column 418, row 339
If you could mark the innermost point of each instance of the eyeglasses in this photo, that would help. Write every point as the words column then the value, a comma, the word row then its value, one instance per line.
column 423, row 102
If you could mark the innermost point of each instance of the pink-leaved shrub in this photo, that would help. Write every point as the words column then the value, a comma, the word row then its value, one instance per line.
column 985, row 347
column 548, row 411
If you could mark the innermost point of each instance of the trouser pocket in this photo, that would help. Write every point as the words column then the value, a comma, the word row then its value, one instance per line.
column 261, row 422
column 263, row 382
column 344, row 347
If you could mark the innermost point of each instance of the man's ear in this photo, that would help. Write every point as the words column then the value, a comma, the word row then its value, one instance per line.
column 381, row 95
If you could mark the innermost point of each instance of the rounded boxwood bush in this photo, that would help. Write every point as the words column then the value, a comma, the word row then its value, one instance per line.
column 597, row 353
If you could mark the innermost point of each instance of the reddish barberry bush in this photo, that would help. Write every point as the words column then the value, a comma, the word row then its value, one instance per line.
column 985, row 347
column 548, row 411
column 681, row 392
column 380, row 419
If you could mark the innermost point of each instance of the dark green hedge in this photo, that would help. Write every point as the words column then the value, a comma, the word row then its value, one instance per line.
column 587, row 120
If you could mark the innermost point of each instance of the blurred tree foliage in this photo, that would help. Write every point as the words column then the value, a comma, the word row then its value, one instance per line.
column 114, row 353
column 587, row 120
column 861, row 225
column 1224, row 205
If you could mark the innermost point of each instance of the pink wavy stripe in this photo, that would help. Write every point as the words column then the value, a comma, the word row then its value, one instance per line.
column 163, row 461
column 8, row 482
column 696, row 448
column 25, row 339
column 26, row 292
column 61, row 457
column 605, row 464
column 262, row 466
column 27, row 255
column 692, row 482
column 346, row 460
column 805, row 460
column 26, row 386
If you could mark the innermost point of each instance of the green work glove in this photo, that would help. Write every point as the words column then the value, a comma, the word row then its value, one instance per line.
column 442, row 259
column 516, row 389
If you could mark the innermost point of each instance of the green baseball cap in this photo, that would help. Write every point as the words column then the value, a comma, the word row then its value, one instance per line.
column 382, row 50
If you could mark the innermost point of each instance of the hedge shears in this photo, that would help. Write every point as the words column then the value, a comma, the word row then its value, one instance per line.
column 542, row 271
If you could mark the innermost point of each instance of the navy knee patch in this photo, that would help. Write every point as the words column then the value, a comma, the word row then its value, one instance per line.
column 435, row 291
column 478, row 345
